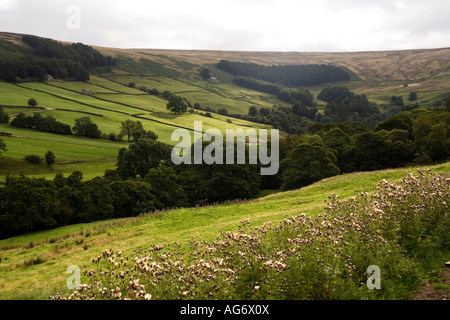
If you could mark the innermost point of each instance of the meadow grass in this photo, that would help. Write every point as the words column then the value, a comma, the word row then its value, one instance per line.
column 235, row 99
column 64, row 101
column 78, row 86
column 76, row 245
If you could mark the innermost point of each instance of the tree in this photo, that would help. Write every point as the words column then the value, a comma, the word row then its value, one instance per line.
column 371, row 151
column 150, row 135
column 142, row 156
column 399, row 150
column 37, row 72
column 97, row 200
column 218, row 182
column 177, row 104
column 131, row 198
column 166, row 94
column 397, row 101
column 431, row 134
column 33, row 159
column 340, row 141
column 306, row 164
column 228, row 182
column 32, row 102
column 400, row 121
column 206, row 74
column 334, row 94
column 85, row 127
column 302, row 111
column 130, row 129
column 27, row 205
column 4, row 118
column 412, row 96
column 165, row 185
column 252, row 111
column 50, row 158
column 438, row 148
column 222, row 111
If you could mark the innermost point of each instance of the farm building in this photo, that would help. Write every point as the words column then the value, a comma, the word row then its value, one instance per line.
column 87, row 91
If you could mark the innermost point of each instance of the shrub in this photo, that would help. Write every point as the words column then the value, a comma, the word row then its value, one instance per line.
column 34, row 159
column 50, row 158
column 223, row 112
column 112, row 137
column 32, row 102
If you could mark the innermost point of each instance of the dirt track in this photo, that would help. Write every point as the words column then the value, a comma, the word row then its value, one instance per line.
column 430, row 292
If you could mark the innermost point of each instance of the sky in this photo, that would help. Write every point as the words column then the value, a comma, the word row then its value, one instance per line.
column 244, row 25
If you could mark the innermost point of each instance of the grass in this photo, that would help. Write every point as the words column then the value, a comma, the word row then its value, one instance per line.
column 441, row 286
column 235, row 99
column 111, row 104
column 62, row 247
column 90, row 156
column 34, row 266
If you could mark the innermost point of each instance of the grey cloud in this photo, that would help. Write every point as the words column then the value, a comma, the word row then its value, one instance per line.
column 154, row 25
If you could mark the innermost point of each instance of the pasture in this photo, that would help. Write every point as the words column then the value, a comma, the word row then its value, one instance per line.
column 110, row 104
column 33, row 266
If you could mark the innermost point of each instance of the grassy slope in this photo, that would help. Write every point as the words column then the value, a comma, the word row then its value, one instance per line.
column 76, row 245
column 111, row 104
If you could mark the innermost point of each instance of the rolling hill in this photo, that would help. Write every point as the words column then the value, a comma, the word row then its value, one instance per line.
column 33, row 266
column 379, row 75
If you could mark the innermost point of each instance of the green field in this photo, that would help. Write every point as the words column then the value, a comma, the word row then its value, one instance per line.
column 110, row 104
column 219, row 95
column 92, row 157
column 379, row 75
column 21, row 278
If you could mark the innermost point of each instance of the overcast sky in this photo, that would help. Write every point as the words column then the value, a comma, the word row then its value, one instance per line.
column 250, row 25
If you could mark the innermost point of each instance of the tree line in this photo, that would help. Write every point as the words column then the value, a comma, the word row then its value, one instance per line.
column 83, row 126
column 145, row 179
column 288, row 95
column 31, row 204
column 38, row 122
column 419, row 136
column 37, row 69
column 342, row 106
column 287, row 75
column 50, row 57
column 85, row 55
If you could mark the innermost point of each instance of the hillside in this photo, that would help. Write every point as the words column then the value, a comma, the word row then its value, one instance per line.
column 408, row 66
column 122, row 175
column 378, row 75
column 33, row 266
